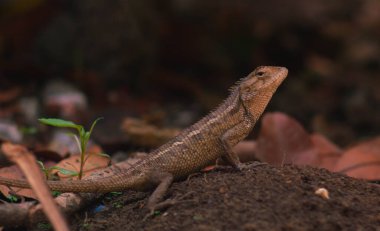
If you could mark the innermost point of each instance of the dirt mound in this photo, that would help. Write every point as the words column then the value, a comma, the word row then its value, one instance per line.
column 258, row 198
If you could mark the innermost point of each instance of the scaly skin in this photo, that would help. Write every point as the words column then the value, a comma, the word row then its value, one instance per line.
column 196, row 147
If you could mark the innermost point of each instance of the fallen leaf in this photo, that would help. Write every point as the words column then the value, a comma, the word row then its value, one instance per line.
column 72, row 164
column 14, row 172
column 282, row 140
column 27, row 162
column 361, row 161
column 328, row 152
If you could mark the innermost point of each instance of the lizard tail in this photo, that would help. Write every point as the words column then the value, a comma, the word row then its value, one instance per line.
column 14, row 183
column 106, row 184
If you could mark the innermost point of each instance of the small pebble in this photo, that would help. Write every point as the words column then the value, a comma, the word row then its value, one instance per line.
column 322, row 192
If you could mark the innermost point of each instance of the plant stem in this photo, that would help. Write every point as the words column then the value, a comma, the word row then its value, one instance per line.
column 82, row 155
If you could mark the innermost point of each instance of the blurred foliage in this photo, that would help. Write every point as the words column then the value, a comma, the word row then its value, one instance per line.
column 192, row 50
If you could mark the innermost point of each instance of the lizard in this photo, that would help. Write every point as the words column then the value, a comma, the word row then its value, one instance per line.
column 196, row 147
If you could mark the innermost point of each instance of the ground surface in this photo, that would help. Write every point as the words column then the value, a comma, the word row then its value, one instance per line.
column 260, row 198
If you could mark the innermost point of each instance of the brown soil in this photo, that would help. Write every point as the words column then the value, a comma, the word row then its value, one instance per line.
column 258, row 198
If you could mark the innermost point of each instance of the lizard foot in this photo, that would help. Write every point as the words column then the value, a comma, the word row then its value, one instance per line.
column 240, row 166
column 153, row 209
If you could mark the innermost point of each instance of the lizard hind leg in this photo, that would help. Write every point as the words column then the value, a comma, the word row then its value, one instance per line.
column 163, row 180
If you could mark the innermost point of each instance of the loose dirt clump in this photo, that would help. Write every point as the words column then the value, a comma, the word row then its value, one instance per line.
column 258, row 198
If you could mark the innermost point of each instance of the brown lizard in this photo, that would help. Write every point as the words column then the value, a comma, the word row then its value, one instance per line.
column 194, row 148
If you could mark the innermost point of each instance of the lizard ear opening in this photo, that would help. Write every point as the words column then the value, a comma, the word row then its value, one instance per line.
column 247, row 90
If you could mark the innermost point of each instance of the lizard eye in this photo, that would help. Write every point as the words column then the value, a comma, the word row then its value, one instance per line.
column 260, row 74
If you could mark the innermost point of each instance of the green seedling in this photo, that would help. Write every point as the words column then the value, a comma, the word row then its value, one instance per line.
column 47, row 171
column 81, row 138
column 44, row 226
column 55, row 193
column 12, row 198
column 198, row 217
column 117, row 205
column 111, row 195
column 28, row 130
column 86, row 225
column 48, row 176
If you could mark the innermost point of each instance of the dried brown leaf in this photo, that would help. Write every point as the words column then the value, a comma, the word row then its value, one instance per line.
column 93, row 163
column 361, row 161
column 283, row 140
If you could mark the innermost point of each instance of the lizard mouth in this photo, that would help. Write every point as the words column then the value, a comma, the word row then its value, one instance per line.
column 284, row 71
column 280, row 73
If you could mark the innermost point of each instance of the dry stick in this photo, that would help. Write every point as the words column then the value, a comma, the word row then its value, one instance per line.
column 28, row 164
column 72, row 202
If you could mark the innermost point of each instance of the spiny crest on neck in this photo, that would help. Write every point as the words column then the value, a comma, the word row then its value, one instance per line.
column 244, row 79
column 258, row 80
column 237, row 84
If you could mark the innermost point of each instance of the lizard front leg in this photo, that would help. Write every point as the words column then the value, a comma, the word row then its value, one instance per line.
column 233, row 136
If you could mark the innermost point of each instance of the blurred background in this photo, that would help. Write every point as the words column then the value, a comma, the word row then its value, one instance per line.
column 171, row 61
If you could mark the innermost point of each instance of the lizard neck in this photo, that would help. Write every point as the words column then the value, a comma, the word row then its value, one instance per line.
column 225, row 116
column 255, row 105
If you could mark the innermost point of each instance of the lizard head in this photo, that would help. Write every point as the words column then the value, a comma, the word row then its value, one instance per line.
column 258, row 87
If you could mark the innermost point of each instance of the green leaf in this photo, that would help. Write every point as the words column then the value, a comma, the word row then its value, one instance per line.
column 94, row 123
column 198, row 217
column 65, row 171
column 103, row 155
column 42, row 166
column 28, row 130
column 12, row 198
column 87, row 136
column 82, row 133
column 70, row 134
column 75, row 137
column 55, row 193
column 116, row 193
column 44, row 226
column 59, row 123
column 78, row 143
